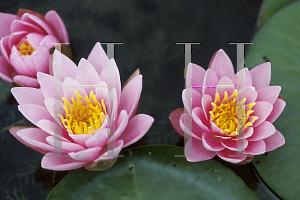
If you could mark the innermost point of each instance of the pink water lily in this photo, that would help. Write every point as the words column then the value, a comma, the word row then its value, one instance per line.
column 227, row 114
column 25, row 42
column 97, row 118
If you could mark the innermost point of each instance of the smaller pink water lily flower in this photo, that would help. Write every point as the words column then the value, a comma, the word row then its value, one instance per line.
column 227, row 114
column 96, row 119
column 25, row 42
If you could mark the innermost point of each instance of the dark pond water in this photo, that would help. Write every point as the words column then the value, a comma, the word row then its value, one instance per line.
column 148, row 31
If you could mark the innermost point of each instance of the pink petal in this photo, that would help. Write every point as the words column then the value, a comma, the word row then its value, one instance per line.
column 175, row 118
column 277, row 110
column 51, row 128
column 195, row 151
column 44, row 48
column 103, row 75
column 87, row 75
column 249, row 131
column 38, row 22
column 269, row 94
column 16, row 37
column 48, row 84
column 211, row 143
column 5, row 23
column 191, row 99
column 264, row 130
column 113, row 77
column 231, row 156
column 40, row 61
column 249, row 93
column 98, row 139
column 5, row 50
column 194, row 77
column 262, row 109
column 98, row 58
column 67, row 68
column 200, row 119
column 69, row 86
column 222, row 65
column 30, row 64
column 64, row 146
column 34, row 113
column 35, row 137
column 26, row 81
column 206, row 105
column 112, row 104
column 136, row 129
column 35, row 39
column 102, row 91
column 49, row 40
column 274, row 141
column 225, row 84
column 15, row 129
column 134, row 74
column 120, row 126
column 21, row 95
column 261, row 75
column 86, row 155
column 235, row 145
column 112, row 153
column 189, row 127
column 244, row 134
column 41, row 56
column 215, row 129
column 130, row 95
column 7, row 72
column 210, row 83
column 80, row 139
column 59, row 162
column 19, row 25
column 19, row 64
column 57, row 25
column 256, row 147
column 50, row 105
column 242, row 79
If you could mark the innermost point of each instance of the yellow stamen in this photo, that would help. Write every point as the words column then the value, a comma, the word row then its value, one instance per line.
column 25, row 48
column 231, row 116
column 83, row 115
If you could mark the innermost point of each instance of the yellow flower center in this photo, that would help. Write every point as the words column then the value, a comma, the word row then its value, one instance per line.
column 25, row 48
column 230, row 115
column 83, row 116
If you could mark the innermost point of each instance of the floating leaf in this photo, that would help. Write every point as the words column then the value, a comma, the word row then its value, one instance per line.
column 268, row 8
column 154, row 172
column 278, row 41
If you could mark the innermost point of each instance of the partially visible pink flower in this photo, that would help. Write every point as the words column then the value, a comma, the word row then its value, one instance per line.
column 98, row 119
column 227, row 114
column 25, row 43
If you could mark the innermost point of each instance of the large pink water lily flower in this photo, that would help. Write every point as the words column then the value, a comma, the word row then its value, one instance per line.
column 97, row 118
column 25, row 42
column 227, row 114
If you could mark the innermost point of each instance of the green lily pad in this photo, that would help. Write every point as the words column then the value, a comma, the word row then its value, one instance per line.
column 278, row 41
column 268, row 8
column 153, row 172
